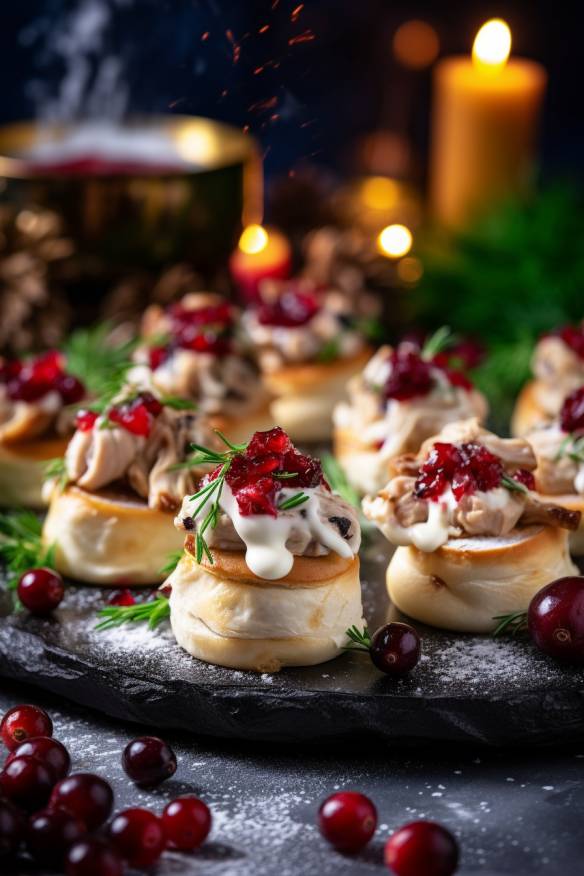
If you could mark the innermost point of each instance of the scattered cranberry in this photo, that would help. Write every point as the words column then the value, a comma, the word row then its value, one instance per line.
column 187, row 822
column 71, row 390
column 27, row 782
column 138, row 837
column 290, row 309
column 422, row 848
column 23, row 722
column 122, row 597
column 93, row 856
column 148, row 761
column 50, row 833
column 555, row 619
column 347, row 820
column 85, row 420
column 40, row 591
column 395, row 648
column 12, row 829
column 49, row 751
column 86, row 796
column 572, row 412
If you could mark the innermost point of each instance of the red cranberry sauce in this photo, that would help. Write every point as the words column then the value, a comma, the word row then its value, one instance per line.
column 255, row 475
column 30, row 380
column 465, row 468
column 412, row 376
column 291, row 309
column 572, row 336
column 135, row 414
column 202, row 330
column 572, row 412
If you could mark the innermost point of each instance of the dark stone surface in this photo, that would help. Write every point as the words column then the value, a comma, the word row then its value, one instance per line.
column 466, row 688
column 515, row 813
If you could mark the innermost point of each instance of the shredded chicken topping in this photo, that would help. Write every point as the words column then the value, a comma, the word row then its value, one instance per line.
column 559, row 371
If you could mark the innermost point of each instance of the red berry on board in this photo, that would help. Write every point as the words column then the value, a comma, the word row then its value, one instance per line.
column 138, row 837
column 122, row 597
column 50, row 833
column 347, row 820
column 422, row 848
column 555, row 619
column 148, row 761
column 12, row 829
column 40, row 591
column 187, row 822
column 88, row 797
column 93, row 856
column 49, row 751
column 23, row 722
column 395, row 648
column 27, row 783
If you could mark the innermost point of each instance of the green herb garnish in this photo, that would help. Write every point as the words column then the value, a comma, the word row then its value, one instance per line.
column 172, row 562
column 441, row 340
column 21, row 546
column 177, row 403
column 152, row 612
column 98, row 362
column 513, row 485
column 293, row 502
column 360, row 641
column 515, row 622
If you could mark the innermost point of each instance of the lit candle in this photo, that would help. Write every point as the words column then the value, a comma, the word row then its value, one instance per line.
column 485, row 116
column 261, row 254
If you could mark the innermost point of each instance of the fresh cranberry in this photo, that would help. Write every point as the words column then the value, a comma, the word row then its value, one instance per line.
column 138, row 837
column 290, row 309
column 70, row 388
column 422, row 848
column 573, row 337
column 23, row 722
column 410, row 376
column 50, row 833
column 49, row 751
column 187, row 822
column 88, row 797
column 395, row 648
column 555, row 619
column 40, row 591
column 27, row 782
column 12, row 829
column 525, row 477
column 572, row 412
column 93, row 856
column 137, row 414
column 156, row 356
column 122, row 597
column 148, row 761
column 347, row 820
column 85, row 420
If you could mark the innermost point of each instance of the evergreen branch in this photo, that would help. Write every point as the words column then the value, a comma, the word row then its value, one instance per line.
column 152, row 612
column 515, row 622
column 21, row 546
column 293, row 502
column 360, row 641
column 97, row 361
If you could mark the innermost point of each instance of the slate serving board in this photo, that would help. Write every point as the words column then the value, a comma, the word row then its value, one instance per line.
column 465, row 688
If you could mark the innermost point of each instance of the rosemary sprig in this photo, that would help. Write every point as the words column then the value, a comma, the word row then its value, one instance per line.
column 56, row 469
column 441, row 340
column 329, row 351
column 573, row 447
column 293, row 502
column 360, row 641
column 515, row 622
column 98, row 361
column 172, row 562
column 21, row 547
column 338, row 480
column 177, row 403
column 152, row 612
column 513, row 485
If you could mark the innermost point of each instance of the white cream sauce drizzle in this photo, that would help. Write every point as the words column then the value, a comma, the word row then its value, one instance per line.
column 265, row 537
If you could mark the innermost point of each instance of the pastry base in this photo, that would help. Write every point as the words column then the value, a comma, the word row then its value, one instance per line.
column 361, row 463
column 528, row 412
column 308, row 394
column 109, row 538
column 22, row 471
column 224, row 614
column 464, row 584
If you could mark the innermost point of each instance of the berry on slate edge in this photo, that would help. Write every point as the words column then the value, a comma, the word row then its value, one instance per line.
column 555, row 619
column 40, row 591
column 27, row 783
column 395, row 648
column 148, row 761
column 138, row 837
column 347, row 820
column 50, row 833
column 12, row 829
column 187, row 822
column 422, row 848
column 23, row 722
column 86, row 796
column 49, row 751
column 93, row 856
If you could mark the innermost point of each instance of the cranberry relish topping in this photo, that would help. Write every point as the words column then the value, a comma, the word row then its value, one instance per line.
column 269, row 463
column 30, row 380
column 202, row 330
column 291, row 309
column 572, row 413
column 413, row 376
column 465, row 468
column 135, row 414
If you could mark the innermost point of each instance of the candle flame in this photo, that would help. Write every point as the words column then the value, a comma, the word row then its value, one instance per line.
column 492, row 45
column 395, row 241
column 254, row 239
